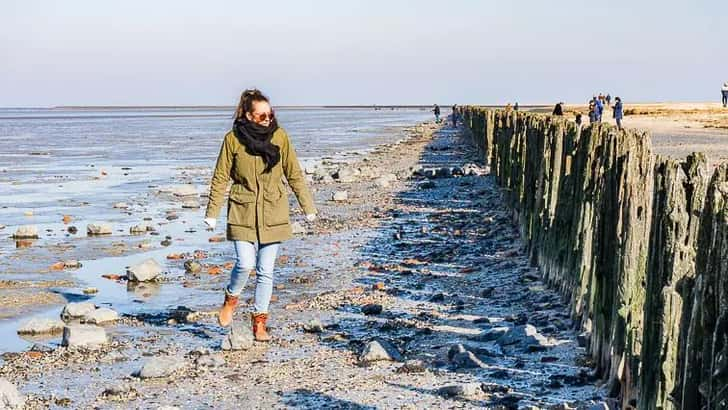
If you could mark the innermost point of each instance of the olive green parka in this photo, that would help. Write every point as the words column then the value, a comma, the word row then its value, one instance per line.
column 258, row 201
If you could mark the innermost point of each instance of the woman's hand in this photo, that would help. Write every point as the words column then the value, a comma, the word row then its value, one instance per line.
column 311, row 217
column 210, row 222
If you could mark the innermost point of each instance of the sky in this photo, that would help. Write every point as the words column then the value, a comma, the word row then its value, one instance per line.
column 162, row 52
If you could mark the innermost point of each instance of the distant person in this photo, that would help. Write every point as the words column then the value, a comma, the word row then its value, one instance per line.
column 257, row 155
column 454, row 116
column 578, row 119
column 599, row 109
column 608, row 98
column 558, row 110
column 724, row 91
column 436, row 110
column 618, row 113
column 592, row 111
column 515, row 107
column 509, row 108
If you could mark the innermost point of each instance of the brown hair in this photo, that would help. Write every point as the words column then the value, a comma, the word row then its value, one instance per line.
column 247, row 98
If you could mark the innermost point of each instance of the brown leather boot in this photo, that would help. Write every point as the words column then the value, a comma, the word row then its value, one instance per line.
column 226, row 312
column 259, row 330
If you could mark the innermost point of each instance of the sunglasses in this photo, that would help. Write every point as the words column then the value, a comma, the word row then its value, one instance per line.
column 262, row 117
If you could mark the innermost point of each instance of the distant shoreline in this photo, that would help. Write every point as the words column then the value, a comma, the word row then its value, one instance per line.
column 226, row 107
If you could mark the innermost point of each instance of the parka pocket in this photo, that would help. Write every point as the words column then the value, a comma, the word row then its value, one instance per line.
column 275, row 207
column 241, row 207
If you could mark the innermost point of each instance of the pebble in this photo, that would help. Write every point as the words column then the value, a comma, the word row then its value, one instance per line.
column 192, row 267
column 239, row 338
column 340, row 196
column 77, row 310
column 38, row 326
column 98, row 229
column 191, row 204
column 371, row 309
column 84, row 336
column 141, row 228
column 145, row 271
column 378, row 350
column 465, row 390
column 160, row 366
column 314, row 326
column 100, row 316
column 120, row 205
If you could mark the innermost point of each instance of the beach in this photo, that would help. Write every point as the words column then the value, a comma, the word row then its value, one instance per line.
column 419, row 261
column 411, row 290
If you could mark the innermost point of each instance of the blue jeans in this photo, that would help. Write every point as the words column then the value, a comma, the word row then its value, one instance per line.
column 263, row 261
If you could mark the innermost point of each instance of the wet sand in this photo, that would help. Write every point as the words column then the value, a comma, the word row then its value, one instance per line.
column 440, row 256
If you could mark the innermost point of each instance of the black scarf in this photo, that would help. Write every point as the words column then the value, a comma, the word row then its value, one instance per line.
column 257, row 140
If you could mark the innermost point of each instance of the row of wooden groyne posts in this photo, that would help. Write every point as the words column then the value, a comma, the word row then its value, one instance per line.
column 638, row 245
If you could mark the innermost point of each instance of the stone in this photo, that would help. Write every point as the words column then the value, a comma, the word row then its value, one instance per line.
column 467, row 360
column 340, row 196
column 41, row 326
column 148, row 270
column 426, row 185
column 524, row 336
column 99, row 229
column 298, row 228
column 160, row 366
column 121, row 205
column 100, row 315
column 72, row 230
column 191, row 204
column 26, row 232
column 77, row 310
column 379, row 350
column 443, row 172
column 141, row 228
column 89, row 336
column 464, row 390
column 192, row 267
column 314, row 326
column 240, row 337
column 10, row 398
column 492, row 334
column 371, row 309
column 72, row 264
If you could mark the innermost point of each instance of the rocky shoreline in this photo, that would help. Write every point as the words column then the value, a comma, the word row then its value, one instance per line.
column 410, row 291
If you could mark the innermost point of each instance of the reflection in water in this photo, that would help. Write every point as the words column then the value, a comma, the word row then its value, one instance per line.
column 143, row 290
column 24, row 243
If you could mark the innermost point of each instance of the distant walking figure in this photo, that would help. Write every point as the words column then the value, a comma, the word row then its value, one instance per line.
column 578, row 119
column 436, row 110
column 454, row 116
column 256, row 154
column 515, row 107
column 618, row 113
column 558, row 110
column 608, row 98
column 724, row 91
column 599, row 106
column 592, row 112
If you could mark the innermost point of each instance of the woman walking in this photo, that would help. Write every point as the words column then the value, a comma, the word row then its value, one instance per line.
column 256, row 154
